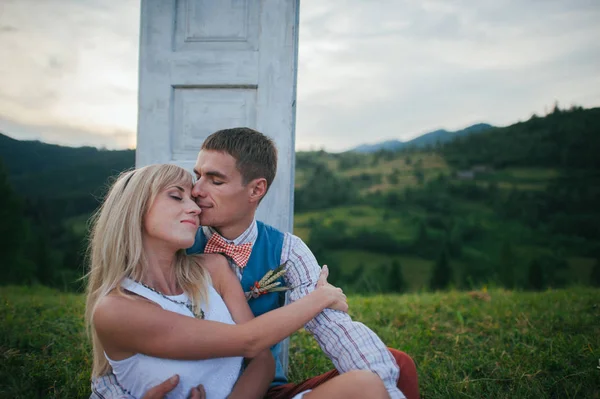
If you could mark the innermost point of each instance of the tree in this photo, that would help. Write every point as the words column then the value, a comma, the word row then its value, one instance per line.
column 442, row 274
column 507, row 265
column 396, row 279
column 357, row 277
column 324, row 189
column 595, row 277
column 422, row 243
column 419, row 174
column 14, row 230
column 535, row 277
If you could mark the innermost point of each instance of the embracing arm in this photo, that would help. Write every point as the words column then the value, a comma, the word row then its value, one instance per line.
column 128, row 325
column 350, row 345
column 260, row 370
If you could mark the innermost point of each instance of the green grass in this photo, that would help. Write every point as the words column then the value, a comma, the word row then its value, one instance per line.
column 516, row 345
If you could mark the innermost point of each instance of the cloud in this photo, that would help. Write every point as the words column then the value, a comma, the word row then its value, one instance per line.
column 397, row 69
column 71, row 67
column 368, row 70
column 75, row 136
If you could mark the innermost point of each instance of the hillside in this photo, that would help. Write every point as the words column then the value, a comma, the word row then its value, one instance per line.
column 61, row 175
column 513, row 206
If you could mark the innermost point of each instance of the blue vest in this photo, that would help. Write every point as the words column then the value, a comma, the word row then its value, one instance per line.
column 266, row 255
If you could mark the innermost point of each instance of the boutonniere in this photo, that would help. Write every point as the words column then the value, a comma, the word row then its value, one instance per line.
column 267, row 284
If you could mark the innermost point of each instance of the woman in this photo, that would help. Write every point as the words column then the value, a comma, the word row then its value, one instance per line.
column 139, row 267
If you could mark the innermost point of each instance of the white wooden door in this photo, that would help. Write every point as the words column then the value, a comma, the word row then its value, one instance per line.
column 207, row 65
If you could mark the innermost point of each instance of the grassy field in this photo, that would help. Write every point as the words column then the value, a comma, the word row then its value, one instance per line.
column 496, row 344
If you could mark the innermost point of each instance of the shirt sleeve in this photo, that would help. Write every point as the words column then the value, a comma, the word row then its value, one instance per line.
column 349, row 344
column 107, row 387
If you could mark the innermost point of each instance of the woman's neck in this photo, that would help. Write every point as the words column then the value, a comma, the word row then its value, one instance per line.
column 160, row 269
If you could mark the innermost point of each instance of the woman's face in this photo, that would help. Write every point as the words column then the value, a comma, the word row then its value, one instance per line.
column 173, row 217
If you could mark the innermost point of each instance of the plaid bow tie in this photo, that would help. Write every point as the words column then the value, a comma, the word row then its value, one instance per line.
column 239, row 253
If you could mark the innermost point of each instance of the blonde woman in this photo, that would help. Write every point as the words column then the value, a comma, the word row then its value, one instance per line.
column 154, row 312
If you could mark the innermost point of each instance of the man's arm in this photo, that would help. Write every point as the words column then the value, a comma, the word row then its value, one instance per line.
column 350, row 345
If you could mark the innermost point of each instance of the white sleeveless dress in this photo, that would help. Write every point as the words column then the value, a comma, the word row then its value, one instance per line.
column 139, row 373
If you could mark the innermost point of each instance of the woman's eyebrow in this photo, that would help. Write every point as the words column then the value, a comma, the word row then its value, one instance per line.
column 178, row 188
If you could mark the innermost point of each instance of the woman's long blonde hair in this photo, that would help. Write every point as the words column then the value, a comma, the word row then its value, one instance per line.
column 115, row 247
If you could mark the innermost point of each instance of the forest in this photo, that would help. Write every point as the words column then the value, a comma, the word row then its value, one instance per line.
column 513, row 207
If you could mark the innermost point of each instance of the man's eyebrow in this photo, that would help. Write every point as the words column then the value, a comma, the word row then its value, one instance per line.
column 213, row 173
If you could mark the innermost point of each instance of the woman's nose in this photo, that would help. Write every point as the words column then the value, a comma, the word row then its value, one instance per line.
column 193, row 208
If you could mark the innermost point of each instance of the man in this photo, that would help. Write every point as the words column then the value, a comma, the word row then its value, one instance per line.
column 234, row 171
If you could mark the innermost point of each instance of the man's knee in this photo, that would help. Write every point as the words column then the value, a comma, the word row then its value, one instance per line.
column 366, row 383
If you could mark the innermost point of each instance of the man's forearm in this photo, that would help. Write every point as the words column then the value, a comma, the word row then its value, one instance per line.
column 353, row 346
column 350, row 345
column 256, row 378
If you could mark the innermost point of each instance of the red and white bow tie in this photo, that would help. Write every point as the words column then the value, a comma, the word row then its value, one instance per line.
column 239, row 253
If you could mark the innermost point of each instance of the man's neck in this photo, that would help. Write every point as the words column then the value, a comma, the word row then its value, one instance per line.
column 231, row 232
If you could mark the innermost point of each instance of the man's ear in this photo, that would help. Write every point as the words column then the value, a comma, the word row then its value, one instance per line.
column 258, row 189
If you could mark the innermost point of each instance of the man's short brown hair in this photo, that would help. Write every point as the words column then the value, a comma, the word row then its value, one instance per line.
column 255, row 154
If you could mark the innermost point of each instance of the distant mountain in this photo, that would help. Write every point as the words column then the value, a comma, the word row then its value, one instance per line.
column 69, row 180
column 430, row 138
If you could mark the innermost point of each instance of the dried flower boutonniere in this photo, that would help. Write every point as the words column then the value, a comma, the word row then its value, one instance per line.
column 268, row 284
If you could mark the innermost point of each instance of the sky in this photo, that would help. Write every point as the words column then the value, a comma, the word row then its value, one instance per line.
column 368, row 71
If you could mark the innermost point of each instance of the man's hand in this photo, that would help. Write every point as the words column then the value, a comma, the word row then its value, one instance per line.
column 323, row 277
column 342, row 303
column 197, row 393
column 159, row 391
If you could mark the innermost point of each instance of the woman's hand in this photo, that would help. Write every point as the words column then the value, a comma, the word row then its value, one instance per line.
column 335, row 294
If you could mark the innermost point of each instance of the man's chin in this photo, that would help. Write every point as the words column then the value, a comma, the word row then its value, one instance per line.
column 205, row 221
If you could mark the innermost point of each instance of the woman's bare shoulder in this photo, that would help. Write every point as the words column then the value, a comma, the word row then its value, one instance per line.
column 112, row 308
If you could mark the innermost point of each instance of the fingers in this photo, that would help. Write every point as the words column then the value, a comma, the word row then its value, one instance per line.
column 343, row 301
column 323, row 276
column 197, row 392
column 159, row 391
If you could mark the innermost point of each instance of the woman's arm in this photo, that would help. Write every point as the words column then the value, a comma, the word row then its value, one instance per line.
column 260, row 370
column 127, row 325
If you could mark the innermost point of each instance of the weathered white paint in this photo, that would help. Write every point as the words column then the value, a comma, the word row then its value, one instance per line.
column 207, row 65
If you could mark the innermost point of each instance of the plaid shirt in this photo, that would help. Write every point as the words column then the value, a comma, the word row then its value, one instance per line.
column 350, row 345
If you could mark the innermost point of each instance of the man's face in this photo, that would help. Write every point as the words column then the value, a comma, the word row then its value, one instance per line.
column 219, row 191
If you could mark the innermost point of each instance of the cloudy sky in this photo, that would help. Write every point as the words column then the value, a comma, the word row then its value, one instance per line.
column 368, row 70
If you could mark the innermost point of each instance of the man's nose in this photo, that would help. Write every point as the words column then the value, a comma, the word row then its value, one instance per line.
column 197, row 190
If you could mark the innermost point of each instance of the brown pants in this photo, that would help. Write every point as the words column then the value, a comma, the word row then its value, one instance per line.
column 408, row 381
